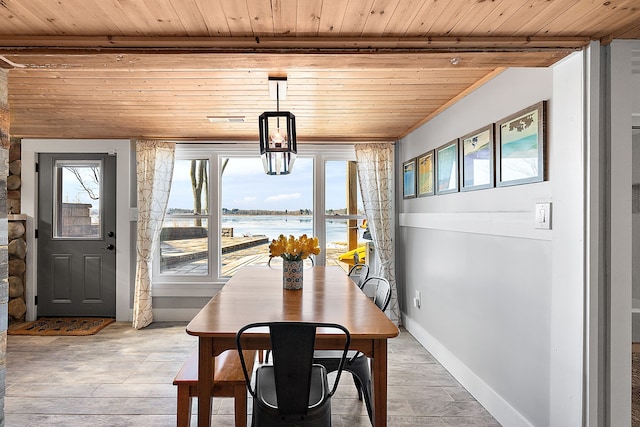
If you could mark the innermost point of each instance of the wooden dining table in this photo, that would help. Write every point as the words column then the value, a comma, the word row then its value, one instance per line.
column 256, row 294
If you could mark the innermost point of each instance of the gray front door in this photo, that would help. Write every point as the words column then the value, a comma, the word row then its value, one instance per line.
column 76, row 235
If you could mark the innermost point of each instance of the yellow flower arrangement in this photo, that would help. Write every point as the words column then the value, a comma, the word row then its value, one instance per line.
column 294, row 249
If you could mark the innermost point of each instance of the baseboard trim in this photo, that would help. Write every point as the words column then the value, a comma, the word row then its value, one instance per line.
column 499, row 408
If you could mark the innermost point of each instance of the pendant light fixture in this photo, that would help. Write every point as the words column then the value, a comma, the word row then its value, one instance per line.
column 278, row 146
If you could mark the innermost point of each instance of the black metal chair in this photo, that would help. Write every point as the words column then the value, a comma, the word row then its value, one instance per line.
column 379, row 289
column 359, row 274
column 293, row 391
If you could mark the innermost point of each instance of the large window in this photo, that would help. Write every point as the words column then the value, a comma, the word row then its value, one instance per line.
column 345, row 226
column 184, row 240
column 224, row 210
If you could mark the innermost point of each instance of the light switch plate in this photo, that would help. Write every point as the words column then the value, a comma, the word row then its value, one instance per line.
column 417, row 300
column 543, row 216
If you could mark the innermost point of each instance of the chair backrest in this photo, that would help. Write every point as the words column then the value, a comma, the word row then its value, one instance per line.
column 379, row 289
column 292, row 344
column 359, row 274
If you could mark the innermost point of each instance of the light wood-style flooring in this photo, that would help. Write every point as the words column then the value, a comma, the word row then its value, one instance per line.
column 123, row 377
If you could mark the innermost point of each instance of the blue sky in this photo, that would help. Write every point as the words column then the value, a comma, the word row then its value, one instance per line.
column 246, row 186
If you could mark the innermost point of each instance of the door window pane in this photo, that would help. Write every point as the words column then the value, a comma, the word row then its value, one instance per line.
column 77, row 194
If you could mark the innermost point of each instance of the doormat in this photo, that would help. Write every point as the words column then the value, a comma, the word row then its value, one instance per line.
column 61, row 326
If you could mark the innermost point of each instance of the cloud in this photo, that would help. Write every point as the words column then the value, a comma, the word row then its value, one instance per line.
column 245, row 200
column 281, row 197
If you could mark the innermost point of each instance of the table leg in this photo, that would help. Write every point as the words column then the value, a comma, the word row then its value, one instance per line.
column 206, row 363
column 379, row 379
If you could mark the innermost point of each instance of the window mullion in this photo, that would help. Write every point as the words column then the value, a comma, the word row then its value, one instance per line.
column 319, row 222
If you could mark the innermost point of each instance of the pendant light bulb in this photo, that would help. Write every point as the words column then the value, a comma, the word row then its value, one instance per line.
column 278, row 137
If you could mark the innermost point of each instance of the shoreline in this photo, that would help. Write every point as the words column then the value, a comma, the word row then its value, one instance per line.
column 259, row 255
column 179, row 256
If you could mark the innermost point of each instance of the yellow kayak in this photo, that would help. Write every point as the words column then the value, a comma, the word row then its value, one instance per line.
column 354, row 256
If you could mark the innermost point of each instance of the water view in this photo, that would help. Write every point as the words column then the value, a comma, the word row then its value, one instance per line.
column 245, row 240
column 254, row 208
column 274, row 225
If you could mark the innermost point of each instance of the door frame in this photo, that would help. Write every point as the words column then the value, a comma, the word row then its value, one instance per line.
column 125, row 215
column 617, row 248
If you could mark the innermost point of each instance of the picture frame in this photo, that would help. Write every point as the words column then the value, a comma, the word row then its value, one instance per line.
column 447, row 172
column 521, row 146
column 409, row 179
column 477, row 159
column 426, row 174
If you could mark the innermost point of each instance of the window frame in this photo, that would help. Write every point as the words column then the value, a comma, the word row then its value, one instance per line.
column 171, row 285
column 325, row 216
column 190, row 155
column 165, row 284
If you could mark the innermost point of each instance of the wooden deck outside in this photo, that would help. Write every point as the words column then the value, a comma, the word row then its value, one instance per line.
column 236, row 253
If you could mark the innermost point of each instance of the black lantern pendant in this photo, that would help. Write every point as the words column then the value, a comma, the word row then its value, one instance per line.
column 278, row 146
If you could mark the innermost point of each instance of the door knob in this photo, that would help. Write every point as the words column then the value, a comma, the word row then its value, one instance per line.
column 110, row 247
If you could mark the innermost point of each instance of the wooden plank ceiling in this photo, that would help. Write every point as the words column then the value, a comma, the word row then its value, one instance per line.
column 358, row 70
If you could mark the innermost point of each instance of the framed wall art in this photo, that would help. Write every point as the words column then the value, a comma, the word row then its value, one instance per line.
column 426, row 171
column 520, row 146
column 409, row 179
column 476, row 160
column 447, row 168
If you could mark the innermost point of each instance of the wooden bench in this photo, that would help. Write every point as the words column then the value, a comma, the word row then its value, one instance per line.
column 228, row 382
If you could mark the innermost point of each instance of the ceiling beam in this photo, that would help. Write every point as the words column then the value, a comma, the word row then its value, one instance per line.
column 270, row 62
column 288, row 44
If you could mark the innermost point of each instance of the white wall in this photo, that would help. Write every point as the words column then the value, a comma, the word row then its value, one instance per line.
column 496, row 310
column 567, row 157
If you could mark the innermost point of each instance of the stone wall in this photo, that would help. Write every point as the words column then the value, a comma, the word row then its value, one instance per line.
column 14, row 181
column 76, row 221
column 17, row 248
column 17, row 251
column 4, row 285
column 182, row 233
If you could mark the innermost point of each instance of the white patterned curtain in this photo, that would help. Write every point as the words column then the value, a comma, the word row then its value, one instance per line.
column 375, row 173
column 155, row 161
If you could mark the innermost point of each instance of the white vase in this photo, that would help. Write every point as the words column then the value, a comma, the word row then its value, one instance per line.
column 292, row 274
